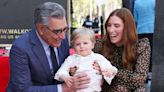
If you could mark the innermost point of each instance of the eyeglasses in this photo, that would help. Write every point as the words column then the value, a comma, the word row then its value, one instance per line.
column 58, row 31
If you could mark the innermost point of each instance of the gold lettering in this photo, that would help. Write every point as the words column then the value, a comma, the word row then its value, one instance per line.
column 3, row 36
column 10, row 37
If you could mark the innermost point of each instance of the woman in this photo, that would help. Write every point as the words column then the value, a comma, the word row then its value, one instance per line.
column 130, row 55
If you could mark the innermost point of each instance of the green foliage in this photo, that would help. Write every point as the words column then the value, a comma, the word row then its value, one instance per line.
column 75, row 23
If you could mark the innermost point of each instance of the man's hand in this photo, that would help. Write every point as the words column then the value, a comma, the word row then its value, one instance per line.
column 65, row 88
column 81, row 81
column 68, row 80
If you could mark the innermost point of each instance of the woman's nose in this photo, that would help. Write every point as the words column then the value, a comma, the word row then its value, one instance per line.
column 111, row 29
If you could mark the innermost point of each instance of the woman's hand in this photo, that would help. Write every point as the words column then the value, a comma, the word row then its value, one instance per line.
column 97, row 67
column 72, row 70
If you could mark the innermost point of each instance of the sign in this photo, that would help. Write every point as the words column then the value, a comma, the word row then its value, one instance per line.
column 8, row 35
column 16, row 17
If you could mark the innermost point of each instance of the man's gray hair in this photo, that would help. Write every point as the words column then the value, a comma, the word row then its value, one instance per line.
column 46, row 10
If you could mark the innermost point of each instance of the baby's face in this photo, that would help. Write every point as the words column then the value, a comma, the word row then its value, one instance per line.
column 83, row 45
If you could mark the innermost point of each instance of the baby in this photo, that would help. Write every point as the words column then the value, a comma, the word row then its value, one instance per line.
column 83, row 41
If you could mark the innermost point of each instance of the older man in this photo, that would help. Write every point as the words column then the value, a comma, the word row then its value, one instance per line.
column 32, row 56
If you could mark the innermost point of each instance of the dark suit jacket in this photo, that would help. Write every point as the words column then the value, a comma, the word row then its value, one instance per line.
column 29, row 66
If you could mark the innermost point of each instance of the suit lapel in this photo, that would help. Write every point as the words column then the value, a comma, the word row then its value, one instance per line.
column 39, row 52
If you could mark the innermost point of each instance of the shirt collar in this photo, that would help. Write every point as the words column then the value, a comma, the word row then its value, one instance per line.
column 90, row 55
column 44, row 44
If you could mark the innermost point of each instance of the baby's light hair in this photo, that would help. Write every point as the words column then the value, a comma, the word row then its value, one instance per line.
column 82, row 32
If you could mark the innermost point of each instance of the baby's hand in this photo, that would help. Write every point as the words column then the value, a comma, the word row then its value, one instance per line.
column 109, row 73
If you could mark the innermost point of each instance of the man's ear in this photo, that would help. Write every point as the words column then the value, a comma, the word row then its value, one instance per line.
column 40, row 28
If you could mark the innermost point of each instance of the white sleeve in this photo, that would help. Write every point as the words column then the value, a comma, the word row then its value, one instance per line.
column 64, row 69
column 105, row 65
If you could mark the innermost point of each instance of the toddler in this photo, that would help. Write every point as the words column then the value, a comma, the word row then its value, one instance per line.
column 83, row 40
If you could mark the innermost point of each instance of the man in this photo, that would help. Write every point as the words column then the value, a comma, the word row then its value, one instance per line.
column 31, row 67
column 87, row 23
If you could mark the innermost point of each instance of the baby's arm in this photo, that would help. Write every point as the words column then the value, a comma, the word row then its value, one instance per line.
column 63, row 70
column 107, row 69
column 109, row 72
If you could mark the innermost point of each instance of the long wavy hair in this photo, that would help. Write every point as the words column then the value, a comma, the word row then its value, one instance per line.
column 129, row 38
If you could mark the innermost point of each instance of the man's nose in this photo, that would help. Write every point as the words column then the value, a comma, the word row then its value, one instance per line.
column 62, row 35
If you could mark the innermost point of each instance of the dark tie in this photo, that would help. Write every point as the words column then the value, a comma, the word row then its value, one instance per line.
column 53, row 60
